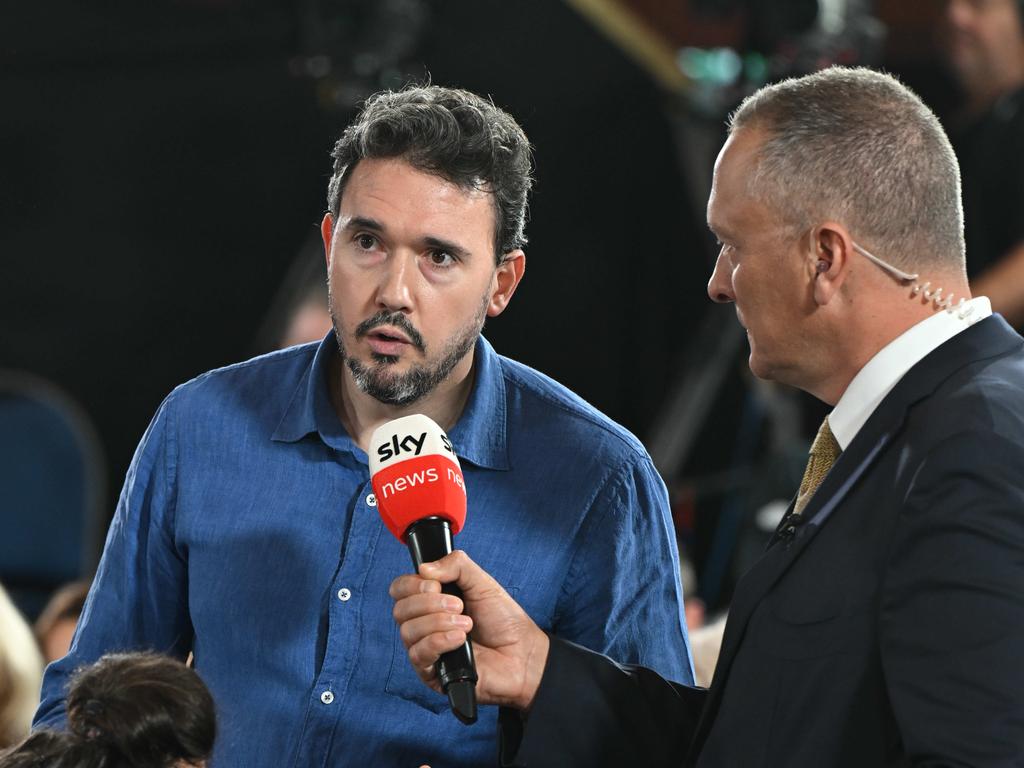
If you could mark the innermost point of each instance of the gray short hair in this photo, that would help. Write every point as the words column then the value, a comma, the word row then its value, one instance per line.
column 860, row 147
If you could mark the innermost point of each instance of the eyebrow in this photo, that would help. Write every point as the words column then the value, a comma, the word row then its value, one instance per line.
column 446, row 245
column 361, row 222
column 437, row 243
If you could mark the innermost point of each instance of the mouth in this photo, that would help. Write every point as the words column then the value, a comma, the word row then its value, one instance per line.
column 389, row 333
column 388, row 341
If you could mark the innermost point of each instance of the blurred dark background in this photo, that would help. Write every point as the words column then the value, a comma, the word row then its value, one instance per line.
column 162, row 166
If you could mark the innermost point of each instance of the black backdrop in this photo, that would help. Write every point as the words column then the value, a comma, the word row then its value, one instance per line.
column 160, row 167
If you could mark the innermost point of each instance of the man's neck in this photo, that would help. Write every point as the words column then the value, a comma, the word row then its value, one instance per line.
column 361, row 413
column 874, row 326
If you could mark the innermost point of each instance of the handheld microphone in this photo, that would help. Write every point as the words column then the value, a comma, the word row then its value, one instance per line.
column 421, row 496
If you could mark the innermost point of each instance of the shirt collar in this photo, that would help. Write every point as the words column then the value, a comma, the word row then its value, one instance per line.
column 310, row 411
column 479, row 436
column 882, row 372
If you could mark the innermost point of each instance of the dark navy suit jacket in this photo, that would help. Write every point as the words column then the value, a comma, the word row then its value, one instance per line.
column 889, row 631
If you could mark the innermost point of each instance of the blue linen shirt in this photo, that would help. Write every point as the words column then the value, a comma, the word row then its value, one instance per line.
column 246, row 533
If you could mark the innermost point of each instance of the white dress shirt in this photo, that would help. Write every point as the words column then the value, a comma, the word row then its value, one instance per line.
column 882, row 372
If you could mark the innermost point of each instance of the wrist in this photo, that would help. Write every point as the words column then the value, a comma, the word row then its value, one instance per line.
column 536, row 662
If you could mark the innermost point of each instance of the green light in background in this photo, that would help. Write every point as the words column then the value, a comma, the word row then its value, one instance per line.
column 725, row 66
column 755, row 68
column 693, row 63
column 717, row 66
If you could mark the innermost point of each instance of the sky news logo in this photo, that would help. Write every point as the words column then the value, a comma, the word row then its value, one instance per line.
column 421, row 477
column 408, row 444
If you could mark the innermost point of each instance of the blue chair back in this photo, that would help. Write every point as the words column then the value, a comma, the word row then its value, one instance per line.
column 51, row 477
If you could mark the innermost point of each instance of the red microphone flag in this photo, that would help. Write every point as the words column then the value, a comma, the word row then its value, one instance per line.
column 416, row 474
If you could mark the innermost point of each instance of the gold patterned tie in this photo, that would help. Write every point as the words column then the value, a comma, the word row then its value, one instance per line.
column 824, row 452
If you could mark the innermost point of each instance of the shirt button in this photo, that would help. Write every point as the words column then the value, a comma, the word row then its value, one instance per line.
column 326, row 697
column 371, row 500
column 344, row 594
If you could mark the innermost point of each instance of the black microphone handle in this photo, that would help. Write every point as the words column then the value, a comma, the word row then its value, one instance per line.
column 430, row 539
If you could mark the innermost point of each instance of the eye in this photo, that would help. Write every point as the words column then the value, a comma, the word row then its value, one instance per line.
column 365, row 241
column 441, row 259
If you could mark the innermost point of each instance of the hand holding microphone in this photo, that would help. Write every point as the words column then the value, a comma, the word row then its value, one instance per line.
column 510, row 649
column 421, row 496
column 422, row 500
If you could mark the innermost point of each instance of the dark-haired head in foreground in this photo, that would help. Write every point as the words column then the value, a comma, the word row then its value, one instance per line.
column 139, row 709
column 434, row 161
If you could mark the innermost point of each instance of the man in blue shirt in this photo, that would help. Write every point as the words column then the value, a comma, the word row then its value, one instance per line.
column 247, row 532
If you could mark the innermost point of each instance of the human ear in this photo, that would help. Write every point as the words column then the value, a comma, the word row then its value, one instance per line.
column 831, row 247
column 506, row 279
column 327, row 234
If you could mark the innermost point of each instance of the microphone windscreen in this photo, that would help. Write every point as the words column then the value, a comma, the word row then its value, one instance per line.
column 415, row 474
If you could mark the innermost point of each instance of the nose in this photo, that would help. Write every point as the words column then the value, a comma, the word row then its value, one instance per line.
column 720, row 284
column 394, row 293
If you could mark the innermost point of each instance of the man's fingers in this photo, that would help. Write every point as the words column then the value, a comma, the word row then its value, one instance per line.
column 410, row 584
column 452, row 567
column 415, row 630
column 427, row 651
column 474, row 581
column 425, row 603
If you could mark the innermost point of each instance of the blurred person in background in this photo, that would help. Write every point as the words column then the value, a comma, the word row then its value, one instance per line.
column 140, row 710
column 694, row 607
column 705, row 632
column 247, row 531
column 985, row 48
column 55, row 626
column 298, row 313
column 705, row 646
column 21, row 672
column 309, row 321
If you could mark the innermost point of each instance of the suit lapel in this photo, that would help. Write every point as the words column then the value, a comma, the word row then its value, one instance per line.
column 760, row 579
column 988, row 338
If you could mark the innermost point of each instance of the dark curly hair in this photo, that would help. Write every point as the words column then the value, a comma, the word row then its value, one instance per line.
column 451, row 133
column 131, row 710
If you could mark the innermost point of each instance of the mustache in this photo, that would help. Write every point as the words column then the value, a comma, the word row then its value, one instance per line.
column 396, row 319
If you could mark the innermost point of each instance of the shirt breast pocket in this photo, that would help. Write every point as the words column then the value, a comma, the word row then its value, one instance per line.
column 403, row 681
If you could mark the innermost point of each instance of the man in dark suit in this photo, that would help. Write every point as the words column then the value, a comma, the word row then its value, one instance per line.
column 884, row 626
